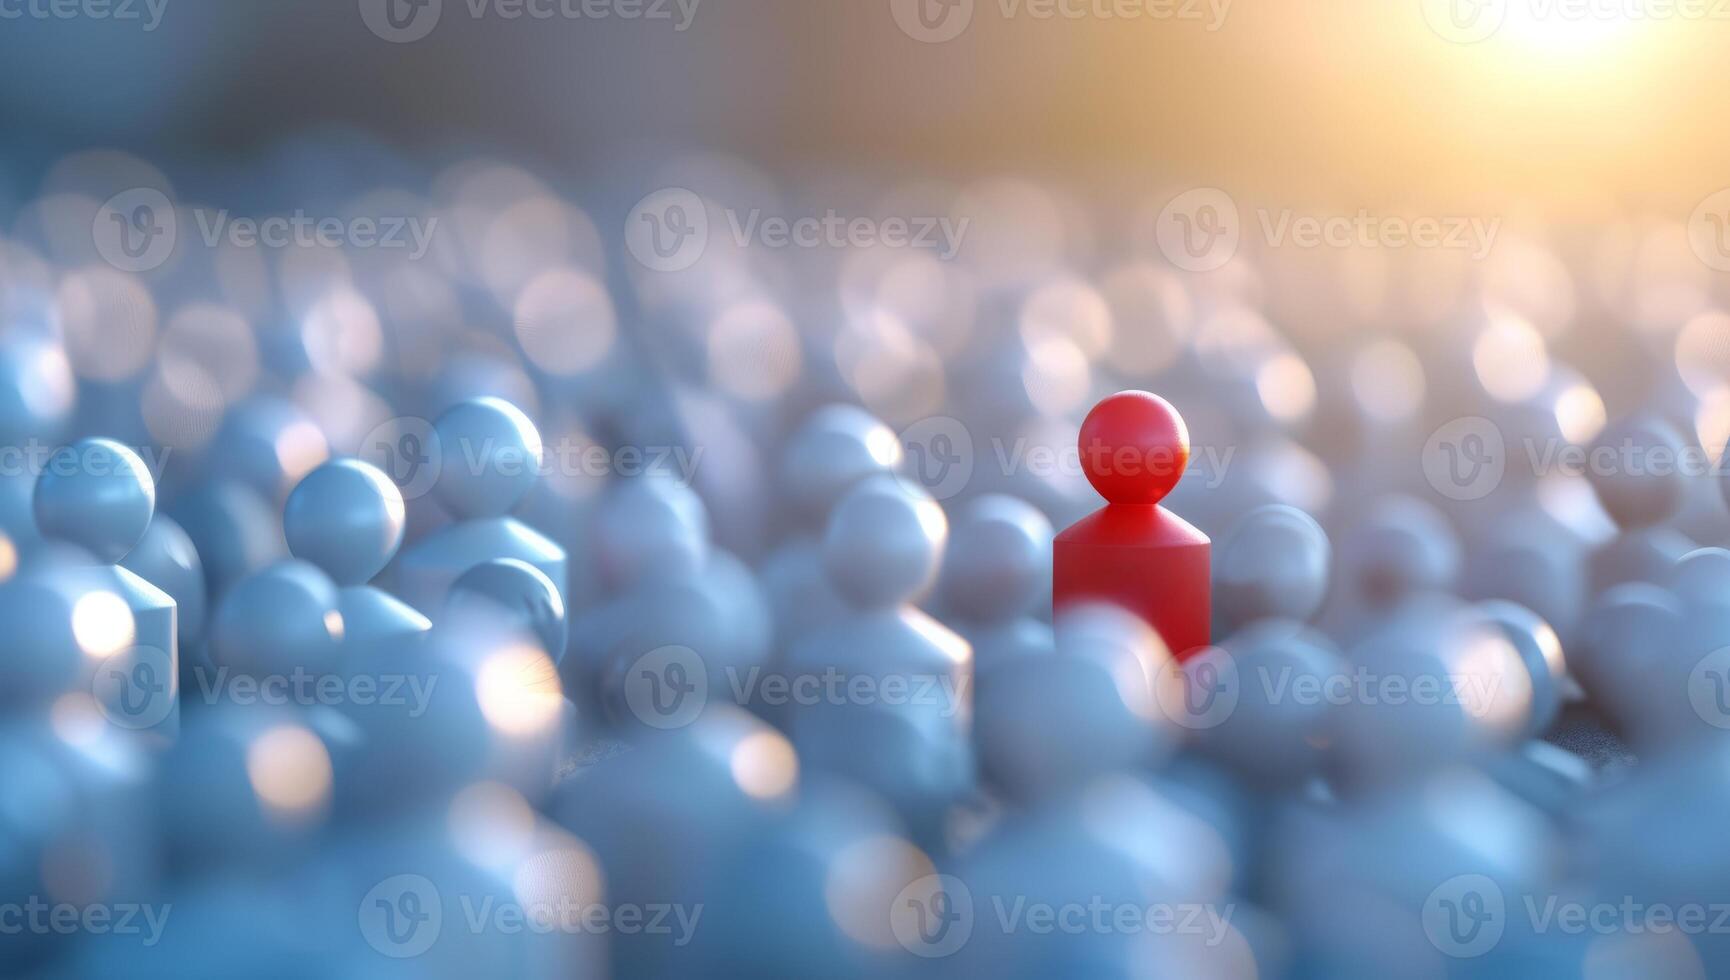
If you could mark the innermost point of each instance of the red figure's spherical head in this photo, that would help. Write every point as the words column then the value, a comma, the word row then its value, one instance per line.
column 1134, row 448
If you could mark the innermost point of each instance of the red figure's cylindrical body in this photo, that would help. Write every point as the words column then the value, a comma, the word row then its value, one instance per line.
column 1132, row 552
column 1145, row 559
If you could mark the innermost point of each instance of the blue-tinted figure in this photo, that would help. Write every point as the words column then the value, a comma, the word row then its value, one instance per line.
column 1097, row 686
column 98, row 495
column 885, row 655
column 838, row 446
column 66, row 618
column 76, row 811
column 489, row 456
column 1279, row 680
column 235, row 530
column 1113, row 843
column 1526, row 557
column 996, row 570
column 1273, row 563
column 1401, row 550
column 812, row 891
column 676, row 590
column 281, row 621
column 1541, row 651
column 166, row 558
column 517, row 596
column 37, row 389
column 1432, row 863
column 17, row 523
column 247, row 787
column 267, row 443
column 667, row 814
column 1433, row 685
column 346, row 517
column 1636, row 471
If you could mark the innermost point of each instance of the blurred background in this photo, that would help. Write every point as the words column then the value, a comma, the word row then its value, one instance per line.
column 1585, row 106
column 1439, row 287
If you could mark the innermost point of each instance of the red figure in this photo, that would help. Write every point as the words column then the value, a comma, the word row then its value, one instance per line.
column 1133, row 552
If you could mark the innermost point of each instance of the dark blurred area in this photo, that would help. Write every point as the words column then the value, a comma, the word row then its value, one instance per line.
column 1357, row 99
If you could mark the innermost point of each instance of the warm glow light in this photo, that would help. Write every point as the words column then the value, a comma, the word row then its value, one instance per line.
column 563, row 877
column 491, row 824
column 565, row 322
column 754, row 351
column 1494, row 685
column 1580, row 413
column 1286, row 387
column 1056, row 375
column 342, row 334
column 1703, row 352
column 764, row 765
column 300, row 448
column 1570, row 29
column 519, row 691
column 76, row 719
column 941, row 638
column 884, row 446
column 932, row 520
column 1388, row 380
column 289, row 769
column 1712, row 423
column 862, row 884
column 102, row 624
column 1511, row 359
column 1070, row 309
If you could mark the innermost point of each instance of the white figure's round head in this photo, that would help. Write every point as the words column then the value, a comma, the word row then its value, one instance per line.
column 96, row 494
